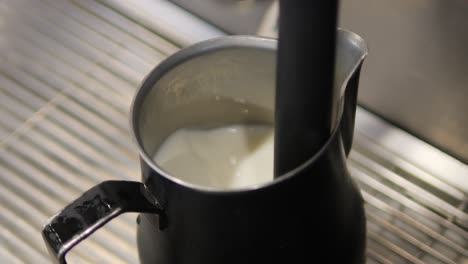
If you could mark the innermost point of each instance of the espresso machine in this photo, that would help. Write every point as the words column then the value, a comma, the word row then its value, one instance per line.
column 70, row 69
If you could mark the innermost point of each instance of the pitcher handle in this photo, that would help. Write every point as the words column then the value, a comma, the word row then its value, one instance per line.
column 92, row 210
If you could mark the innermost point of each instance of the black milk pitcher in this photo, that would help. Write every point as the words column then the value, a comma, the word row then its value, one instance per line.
column 313, row 214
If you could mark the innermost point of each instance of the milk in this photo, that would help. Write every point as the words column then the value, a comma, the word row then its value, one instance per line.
column 226, row 157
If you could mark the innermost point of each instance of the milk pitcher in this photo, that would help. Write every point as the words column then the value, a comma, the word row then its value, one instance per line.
column 312, row 214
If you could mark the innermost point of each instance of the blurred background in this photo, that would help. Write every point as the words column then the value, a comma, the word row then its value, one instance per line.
column 70, row 68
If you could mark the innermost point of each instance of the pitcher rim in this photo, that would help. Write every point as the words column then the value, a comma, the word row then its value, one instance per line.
column 219, row 43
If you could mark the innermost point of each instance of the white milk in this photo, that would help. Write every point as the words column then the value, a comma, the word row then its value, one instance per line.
column 225, row 158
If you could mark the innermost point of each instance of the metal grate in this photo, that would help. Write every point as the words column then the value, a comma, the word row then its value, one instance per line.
column 414, row 215
column 69, row 70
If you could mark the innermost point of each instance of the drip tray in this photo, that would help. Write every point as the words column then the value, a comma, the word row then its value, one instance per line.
column 69, row 70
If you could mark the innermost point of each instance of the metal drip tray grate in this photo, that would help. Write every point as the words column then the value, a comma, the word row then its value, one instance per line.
column 413, row 216
column 69, row 70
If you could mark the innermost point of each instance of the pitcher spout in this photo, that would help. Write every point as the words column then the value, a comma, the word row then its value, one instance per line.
column 350, row 53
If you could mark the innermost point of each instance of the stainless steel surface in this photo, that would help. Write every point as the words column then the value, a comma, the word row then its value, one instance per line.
column 233, row 16
column 416, row 214
column 417, row 74
column 69, row 72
